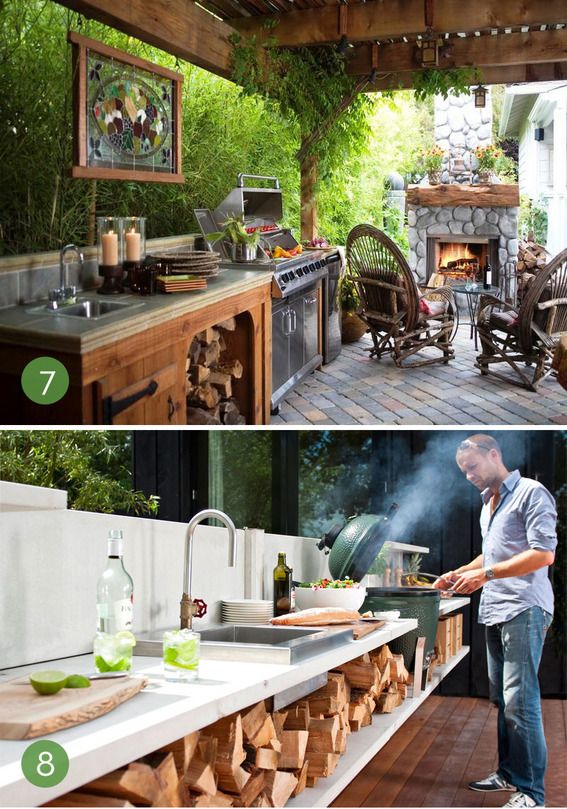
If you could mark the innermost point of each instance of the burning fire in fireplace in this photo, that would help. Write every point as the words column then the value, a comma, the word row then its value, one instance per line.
column 461, row 259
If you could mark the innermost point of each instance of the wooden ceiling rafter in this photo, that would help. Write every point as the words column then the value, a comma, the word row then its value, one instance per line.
column 508, row 49
column 382, row 19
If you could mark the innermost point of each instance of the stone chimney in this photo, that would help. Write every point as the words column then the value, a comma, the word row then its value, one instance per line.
column 459, row 128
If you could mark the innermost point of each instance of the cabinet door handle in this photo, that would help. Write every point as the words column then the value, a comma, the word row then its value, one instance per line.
column 112, row 407
column 170, row 408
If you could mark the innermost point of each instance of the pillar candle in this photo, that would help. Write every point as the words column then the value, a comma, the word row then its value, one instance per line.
column 132, row 245
column 109, row 249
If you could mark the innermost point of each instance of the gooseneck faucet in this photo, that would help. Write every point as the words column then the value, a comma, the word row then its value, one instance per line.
column 186, row 615
column 64, row 293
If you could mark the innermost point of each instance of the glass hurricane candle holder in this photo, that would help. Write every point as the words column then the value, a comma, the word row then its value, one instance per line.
column 109, row 241
column 134, row 252
column 109, row 251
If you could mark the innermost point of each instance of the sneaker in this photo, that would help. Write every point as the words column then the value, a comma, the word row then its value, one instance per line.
column 520, row 799
column 493, row 783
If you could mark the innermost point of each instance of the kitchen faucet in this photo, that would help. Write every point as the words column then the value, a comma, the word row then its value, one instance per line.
column 64, row 293
column 186, row 615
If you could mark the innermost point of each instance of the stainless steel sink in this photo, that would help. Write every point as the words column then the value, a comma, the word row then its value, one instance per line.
column 257, row 644
column 90, row 309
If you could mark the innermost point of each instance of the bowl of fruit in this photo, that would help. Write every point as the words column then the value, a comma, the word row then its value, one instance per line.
column 344, row 593
column 318, row 243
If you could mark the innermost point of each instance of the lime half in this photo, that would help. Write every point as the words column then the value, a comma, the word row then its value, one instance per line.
column 48, row 682
column 77, row 681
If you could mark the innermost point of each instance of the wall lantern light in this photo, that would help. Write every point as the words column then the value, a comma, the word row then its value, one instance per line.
column 429, row 52
column 539, row 133
column 480, row 96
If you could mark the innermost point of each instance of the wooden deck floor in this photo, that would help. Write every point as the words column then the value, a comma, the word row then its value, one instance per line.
column 448, row 742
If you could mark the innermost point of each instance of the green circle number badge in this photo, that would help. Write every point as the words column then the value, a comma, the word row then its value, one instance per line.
column 45, row 380
column 45, row 763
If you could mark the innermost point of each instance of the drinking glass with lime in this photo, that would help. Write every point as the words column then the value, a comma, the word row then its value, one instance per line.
column 181, row 655
column 114, row 652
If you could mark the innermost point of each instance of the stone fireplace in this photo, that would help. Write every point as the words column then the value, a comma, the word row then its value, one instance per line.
column 456, row 227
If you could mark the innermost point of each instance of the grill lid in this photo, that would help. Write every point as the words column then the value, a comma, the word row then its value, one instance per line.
column 354, row 547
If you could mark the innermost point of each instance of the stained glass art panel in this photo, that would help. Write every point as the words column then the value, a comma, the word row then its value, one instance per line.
column 129, row 115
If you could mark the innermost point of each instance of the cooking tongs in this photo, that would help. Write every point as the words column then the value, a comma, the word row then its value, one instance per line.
column 433, row 576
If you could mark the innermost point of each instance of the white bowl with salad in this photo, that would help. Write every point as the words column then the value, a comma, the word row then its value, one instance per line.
column 344, row 593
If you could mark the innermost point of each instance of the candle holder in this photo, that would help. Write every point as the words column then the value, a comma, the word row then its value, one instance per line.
column 134, row 247
column 110, row 267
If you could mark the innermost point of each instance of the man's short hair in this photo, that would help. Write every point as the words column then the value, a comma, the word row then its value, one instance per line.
column 479, row 441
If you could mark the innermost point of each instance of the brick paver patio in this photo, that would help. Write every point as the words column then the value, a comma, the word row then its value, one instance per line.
column 354, row 389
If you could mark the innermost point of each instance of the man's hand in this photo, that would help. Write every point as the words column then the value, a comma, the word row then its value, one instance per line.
column 469, row 581
column 445, row 580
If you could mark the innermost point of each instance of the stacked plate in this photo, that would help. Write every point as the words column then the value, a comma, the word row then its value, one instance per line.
column 246, row 611
column 195, row 262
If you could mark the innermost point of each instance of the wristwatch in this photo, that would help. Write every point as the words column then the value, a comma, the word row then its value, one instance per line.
column 489, row 573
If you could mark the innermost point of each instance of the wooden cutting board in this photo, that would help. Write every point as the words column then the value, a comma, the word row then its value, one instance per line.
column 25, row 714
column 360, row 629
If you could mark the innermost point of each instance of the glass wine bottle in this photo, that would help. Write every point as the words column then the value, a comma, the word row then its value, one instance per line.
column 114, row 591
column 487, row 279
column 282, row 586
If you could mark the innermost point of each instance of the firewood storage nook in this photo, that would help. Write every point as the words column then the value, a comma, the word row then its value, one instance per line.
column 206, row 360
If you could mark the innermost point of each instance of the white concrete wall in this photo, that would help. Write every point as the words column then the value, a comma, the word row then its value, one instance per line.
column 51, row 561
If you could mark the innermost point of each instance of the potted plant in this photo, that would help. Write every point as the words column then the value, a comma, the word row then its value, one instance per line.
column 487, row 158
column 243, row 245
column 351, row 325
column 432, row 162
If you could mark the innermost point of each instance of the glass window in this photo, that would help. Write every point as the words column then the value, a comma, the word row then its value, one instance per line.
column 93, row 466
column 335, row 472
column 240, row 476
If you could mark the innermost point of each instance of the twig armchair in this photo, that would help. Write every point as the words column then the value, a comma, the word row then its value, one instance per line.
column 401, row 320
column 525, row 338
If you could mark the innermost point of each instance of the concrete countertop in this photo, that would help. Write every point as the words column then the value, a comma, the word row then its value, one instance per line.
column 163, row 712
column 23, row 325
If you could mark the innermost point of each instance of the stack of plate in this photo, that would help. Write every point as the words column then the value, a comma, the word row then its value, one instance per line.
column 196, row 262
column 246, row 611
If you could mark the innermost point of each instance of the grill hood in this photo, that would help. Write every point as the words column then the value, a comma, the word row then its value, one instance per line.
column 353, row 547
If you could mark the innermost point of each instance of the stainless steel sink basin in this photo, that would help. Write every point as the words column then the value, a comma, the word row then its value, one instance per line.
column 89, row 309
column 257, row 644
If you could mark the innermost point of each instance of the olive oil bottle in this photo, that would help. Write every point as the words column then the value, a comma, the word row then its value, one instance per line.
column 282, row 587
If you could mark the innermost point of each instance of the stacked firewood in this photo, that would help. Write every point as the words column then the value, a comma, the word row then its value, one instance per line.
column 209, row 378
column 258, row 757
column 532, row 257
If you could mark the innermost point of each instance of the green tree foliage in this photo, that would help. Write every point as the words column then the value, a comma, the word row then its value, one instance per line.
column 226, row 130
column 93, row 466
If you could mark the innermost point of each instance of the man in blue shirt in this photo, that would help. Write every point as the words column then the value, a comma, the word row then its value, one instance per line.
column 518, row 524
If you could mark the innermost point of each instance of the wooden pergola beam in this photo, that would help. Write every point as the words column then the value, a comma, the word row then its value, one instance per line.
column 382, row 19
column 509, row 74
column 534, row 47
column 179, row 27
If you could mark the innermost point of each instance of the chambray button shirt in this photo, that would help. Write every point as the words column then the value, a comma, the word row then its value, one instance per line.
column 525, row 519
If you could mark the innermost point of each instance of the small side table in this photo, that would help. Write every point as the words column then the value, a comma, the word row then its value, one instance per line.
column 473, row 300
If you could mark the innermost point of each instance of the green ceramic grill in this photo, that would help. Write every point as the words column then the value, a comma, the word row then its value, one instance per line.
column 352, row 548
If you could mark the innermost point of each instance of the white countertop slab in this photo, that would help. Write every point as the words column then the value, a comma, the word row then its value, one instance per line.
column 163, row 712
column 453, row 604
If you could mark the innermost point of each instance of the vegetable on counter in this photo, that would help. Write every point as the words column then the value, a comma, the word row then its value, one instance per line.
column 335, row 584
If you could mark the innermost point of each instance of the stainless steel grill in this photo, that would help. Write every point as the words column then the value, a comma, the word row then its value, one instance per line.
column 296, row 284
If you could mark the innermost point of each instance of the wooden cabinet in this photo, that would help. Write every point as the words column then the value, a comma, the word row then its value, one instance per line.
column 140, row 378
column 148, row 391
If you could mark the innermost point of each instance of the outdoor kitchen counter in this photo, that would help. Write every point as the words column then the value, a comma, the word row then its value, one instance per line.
column 163, row 712
column 78, row 335
column 130, row 367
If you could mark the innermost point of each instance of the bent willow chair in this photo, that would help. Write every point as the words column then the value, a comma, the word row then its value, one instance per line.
column 401, row 320
column 526, row 337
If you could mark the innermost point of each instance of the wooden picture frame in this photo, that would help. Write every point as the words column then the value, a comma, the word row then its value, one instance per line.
column 112, row 138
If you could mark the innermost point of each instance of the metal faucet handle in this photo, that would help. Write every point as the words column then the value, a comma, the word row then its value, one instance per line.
column 55, row 296
column 70, row 293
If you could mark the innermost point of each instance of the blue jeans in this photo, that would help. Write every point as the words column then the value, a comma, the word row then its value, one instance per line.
column 514, row 652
